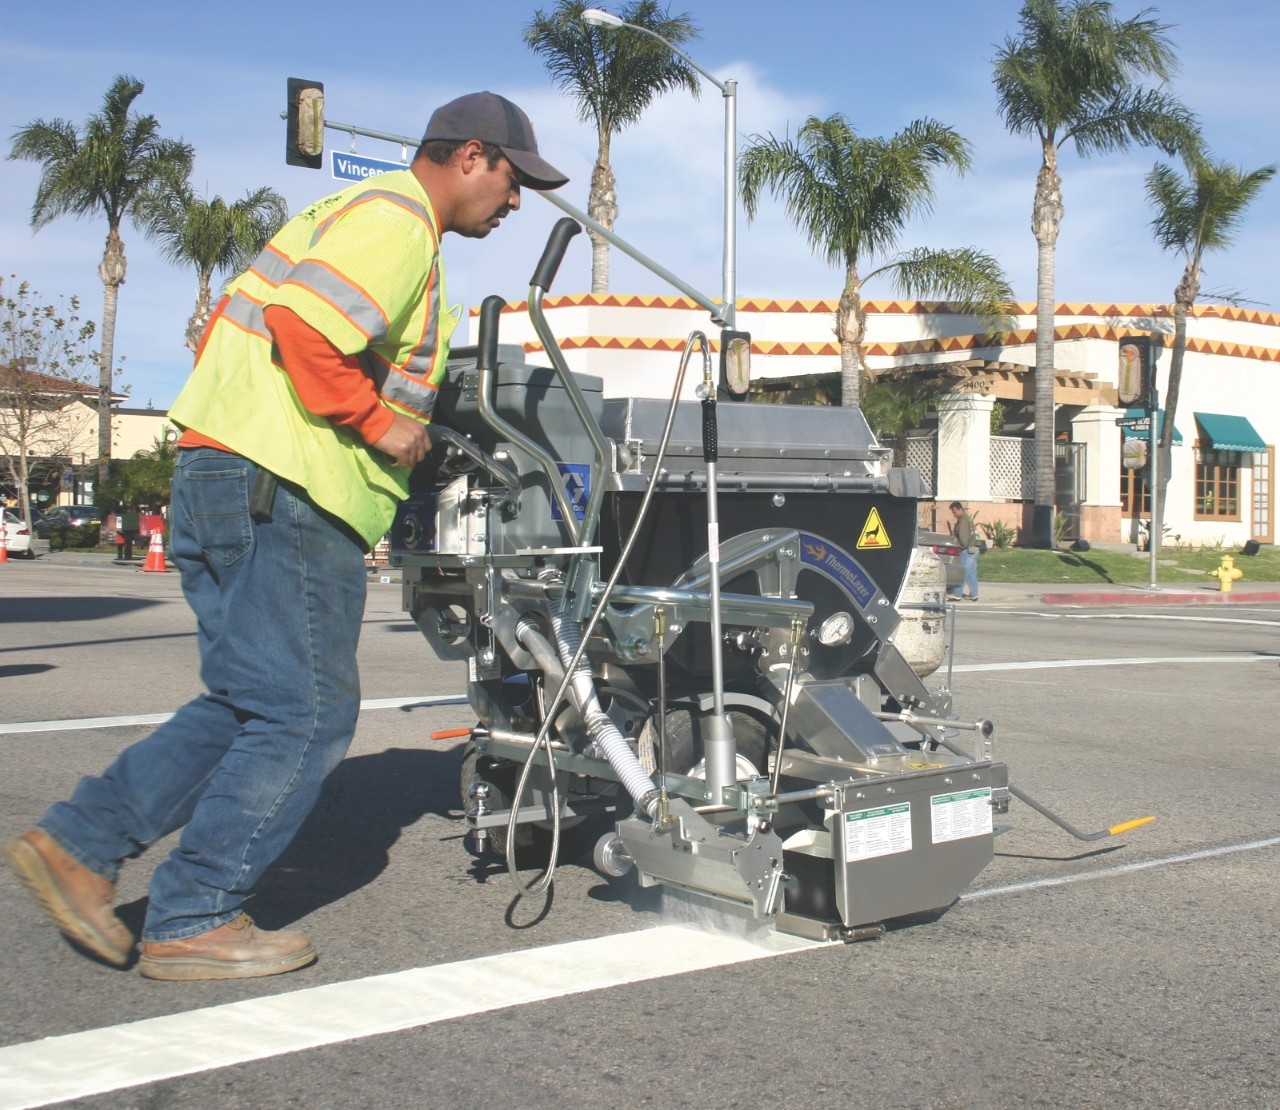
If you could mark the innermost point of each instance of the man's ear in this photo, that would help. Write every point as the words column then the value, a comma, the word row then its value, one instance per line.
column 471, row 156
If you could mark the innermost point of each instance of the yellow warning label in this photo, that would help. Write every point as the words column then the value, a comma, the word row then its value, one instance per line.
column 873, row 533
column 916, row 766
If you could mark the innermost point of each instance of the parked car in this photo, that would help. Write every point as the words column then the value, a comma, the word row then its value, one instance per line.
column 17, row 535
column 948, row 550
column 70, row 524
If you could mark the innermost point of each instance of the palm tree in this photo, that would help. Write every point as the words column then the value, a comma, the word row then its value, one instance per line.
column 1071, row 75
column 614, row 74
column 210, row 235
column 853, row 197
column 103, row 169
column 895, row 406
column 1194, row 214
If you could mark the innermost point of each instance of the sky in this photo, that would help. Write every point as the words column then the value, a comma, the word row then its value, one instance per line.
column 215, row 77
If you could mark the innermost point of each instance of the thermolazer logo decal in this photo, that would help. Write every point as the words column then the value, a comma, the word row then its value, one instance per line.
column 841, row 567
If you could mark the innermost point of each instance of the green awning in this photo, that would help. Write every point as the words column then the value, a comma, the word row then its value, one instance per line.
column 1230, row 433
column 1138, row 433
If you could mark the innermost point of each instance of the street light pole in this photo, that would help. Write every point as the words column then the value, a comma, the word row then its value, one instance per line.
column 598, row 17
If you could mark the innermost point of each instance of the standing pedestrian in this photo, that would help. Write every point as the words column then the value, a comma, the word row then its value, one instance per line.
column 966, row 532
column 308, row 407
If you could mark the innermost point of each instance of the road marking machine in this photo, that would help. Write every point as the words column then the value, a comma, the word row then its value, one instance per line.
column 696, row 632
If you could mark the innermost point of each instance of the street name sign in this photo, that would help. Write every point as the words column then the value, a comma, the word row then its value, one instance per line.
column 357, row 167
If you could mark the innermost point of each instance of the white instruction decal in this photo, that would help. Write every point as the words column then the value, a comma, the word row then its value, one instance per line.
column 883, row 831
column 960, row 815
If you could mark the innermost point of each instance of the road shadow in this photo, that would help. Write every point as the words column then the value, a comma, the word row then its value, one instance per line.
column 345, row 843
column 48, row 610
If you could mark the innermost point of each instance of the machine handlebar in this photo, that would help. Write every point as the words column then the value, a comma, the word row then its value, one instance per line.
column 487, row 332
column 557, row 244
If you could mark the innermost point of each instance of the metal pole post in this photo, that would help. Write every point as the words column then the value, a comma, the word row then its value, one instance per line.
column 1153, row 453
column 729, row 287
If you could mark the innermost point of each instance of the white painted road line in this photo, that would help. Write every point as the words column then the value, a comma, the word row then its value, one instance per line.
column 1123, row 869
column 160, row 718
column 1137, row 661
column 81, row 1065
column 460, row 699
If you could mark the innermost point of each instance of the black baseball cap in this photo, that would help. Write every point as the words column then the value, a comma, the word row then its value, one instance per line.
column 494, row 119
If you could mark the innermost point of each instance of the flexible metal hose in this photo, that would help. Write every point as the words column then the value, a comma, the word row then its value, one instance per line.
column 600, row 728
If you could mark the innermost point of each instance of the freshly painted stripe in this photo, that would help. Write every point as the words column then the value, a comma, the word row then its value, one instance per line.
column 76, row 724
column 81, row 1065
column 1137, row 661
column 1124, row 869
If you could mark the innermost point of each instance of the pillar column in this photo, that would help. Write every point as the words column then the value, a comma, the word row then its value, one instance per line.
column 964, row 447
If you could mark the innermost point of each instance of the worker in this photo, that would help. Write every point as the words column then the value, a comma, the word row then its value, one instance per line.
column 309, row 405
column 968, row 539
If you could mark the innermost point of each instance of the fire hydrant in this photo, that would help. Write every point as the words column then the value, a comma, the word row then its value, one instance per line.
column 1226, row 574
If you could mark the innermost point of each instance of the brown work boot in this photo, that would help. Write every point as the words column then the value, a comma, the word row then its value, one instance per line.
column 236, row 950
column 76, row 899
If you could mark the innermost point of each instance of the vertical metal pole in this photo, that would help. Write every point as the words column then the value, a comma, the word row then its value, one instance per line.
column 729, row 288
column 718, row 745
column 1153, row 452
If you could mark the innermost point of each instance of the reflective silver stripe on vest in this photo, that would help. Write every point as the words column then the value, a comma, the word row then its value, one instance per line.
column 248, row 314
column 345, row 296
column 405, row 202
column 409, row 393
column 271, row 266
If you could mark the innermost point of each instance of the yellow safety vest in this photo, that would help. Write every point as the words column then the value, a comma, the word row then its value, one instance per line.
column 363, row 268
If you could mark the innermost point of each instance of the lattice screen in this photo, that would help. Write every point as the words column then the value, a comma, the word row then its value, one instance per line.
column 1013, row 467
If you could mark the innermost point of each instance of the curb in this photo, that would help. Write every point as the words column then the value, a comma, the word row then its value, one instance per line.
column 1157, row 598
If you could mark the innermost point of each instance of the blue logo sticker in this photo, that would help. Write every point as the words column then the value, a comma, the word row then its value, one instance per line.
column 842, row 568
column 577, row 484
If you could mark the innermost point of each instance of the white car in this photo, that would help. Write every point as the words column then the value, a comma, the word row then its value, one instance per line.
column 17, row 535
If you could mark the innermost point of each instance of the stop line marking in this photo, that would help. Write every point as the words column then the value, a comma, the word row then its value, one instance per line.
column 94, row 1062
column 81, row 1065
column 76, row 724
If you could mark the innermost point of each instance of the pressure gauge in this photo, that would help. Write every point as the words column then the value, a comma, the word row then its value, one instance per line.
column 836, row 630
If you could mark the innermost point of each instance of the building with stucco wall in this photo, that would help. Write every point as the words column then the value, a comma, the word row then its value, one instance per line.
column 1228, row 415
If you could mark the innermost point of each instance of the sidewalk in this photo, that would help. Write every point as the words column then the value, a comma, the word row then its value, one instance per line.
column 1127, row 593
column 994, row 593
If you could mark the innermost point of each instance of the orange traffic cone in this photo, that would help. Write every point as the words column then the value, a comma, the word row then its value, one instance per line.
column 155, row 555
column 4, row 539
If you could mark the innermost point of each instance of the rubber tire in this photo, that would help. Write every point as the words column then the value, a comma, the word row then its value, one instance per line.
column 684, row 738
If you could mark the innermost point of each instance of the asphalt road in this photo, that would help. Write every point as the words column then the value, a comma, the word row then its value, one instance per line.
column 1138, row 971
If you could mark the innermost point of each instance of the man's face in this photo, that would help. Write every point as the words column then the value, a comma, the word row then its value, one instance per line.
column 957, row 513
column 491, row 193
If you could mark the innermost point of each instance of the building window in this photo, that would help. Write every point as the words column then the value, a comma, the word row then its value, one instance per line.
column 1218, row 485
column 1134, row 493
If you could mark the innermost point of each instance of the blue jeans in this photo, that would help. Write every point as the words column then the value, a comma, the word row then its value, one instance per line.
column 279, row 606
column 969, row 560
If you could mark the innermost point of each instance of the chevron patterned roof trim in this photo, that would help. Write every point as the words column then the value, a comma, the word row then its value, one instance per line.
column 945, row 345
column 1107, row 309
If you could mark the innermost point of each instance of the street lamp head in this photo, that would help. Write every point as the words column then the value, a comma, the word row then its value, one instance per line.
column 598, row 17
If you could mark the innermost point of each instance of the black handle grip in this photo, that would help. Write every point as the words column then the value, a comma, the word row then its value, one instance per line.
column 557, row 244
column 487, row 333
column 710, row 432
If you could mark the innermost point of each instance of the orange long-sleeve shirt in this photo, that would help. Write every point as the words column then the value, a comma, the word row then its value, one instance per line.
column 327, row 382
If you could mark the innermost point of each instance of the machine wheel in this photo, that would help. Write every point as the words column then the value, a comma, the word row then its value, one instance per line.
column 533, row 840
column 501, row 778
column 684, row 739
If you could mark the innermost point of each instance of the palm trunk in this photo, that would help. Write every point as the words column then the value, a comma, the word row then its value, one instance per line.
column 111, row 270
column 1183, row 298
column 204, row 307
column 1046, row 218
column 602, row 206
column 851, row 331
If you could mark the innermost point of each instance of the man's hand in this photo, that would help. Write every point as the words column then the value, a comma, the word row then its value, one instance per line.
column 406, row 441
